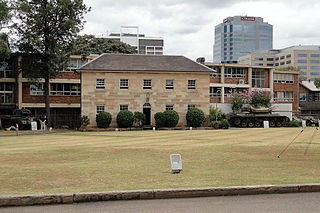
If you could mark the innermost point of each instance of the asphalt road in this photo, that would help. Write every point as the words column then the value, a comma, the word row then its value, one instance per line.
column 293, row 203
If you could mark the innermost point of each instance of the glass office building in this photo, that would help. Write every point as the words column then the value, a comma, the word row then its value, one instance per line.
column 241, row 35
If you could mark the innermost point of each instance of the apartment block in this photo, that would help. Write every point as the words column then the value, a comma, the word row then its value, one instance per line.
column 144, row 44
column 305, row 57
column 17, row 91
column 230, row 78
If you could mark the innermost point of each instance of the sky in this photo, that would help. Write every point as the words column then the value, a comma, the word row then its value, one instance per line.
column 187, row 26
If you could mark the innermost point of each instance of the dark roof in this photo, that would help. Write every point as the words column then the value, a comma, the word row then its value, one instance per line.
column 153, row 63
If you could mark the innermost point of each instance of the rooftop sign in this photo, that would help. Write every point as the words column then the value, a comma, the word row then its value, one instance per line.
column 248, row 18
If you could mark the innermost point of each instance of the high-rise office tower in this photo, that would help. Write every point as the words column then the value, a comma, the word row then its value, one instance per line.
column 241, row 35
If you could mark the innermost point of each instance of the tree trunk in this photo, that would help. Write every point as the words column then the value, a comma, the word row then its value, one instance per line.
column 47, row 100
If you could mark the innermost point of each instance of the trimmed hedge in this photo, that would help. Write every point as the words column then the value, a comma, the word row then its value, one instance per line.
column 160, row 119
column 171, row 118
column 139, row 118
column 103, row 119
column 195, row 117
column 125, row 119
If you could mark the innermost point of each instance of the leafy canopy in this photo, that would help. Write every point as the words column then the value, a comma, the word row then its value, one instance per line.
column 89, row 44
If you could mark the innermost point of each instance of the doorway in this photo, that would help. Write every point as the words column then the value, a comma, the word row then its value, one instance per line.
column 147, row 112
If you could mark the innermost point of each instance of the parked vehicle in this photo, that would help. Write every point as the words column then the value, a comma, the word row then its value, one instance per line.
column 254, row 117
column 22, row 117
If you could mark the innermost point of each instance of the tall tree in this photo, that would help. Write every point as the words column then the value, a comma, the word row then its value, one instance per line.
column 5, row 17
column 47, row 29
column 89, row 44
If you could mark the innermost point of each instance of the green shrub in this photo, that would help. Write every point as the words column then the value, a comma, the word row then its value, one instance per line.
column 85, row 121
column 139, row 118
column 224, row 124
column 103, row 119
column 125, row 119
column 212, row 123
column 237, row 101
column 171, row 118
column 160, row 119
column 195, row 117
column 216, row 114
column 293, row 124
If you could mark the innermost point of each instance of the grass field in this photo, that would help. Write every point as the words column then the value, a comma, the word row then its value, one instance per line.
column 104, row 161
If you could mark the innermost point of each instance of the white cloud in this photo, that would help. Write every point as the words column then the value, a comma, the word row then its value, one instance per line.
column 188, row 26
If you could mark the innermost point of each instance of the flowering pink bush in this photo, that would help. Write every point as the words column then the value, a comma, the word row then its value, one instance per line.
column 259, row 97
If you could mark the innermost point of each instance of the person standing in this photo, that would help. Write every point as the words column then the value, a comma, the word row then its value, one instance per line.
column 43, row 120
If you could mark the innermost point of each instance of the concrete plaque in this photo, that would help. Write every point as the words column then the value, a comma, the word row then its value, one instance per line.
column 34, row 126
column 265, row 124
column 176, row 163
column 304, row 123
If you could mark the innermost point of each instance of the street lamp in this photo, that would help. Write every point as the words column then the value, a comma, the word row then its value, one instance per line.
column 217, row 95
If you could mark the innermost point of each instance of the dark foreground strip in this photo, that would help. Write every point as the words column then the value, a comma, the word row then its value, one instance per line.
column 27, row 200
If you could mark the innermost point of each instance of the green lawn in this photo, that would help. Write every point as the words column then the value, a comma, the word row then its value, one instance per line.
column 105, row 161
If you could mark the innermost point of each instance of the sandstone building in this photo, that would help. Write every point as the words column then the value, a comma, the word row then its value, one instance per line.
column 145, row 83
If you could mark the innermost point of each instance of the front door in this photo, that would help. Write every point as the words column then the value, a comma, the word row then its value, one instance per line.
column 147, row 112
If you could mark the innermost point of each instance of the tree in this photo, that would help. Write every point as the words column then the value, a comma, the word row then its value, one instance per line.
column 47, row 29
column 5, row 17
column 317, row 82
column 89, row 44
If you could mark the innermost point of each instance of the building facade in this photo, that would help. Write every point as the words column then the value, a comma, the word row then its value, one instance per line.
column 144, row 45
column 309, row 96
column 240, row 35
column 231, row 78
column 305, row 57
column 17, row 92
column 143, row 83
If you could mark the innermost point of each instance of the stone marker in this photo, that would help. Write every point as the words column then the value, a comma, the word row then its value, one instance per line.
column 304, row 123
column 265, row 124
column 176, row 163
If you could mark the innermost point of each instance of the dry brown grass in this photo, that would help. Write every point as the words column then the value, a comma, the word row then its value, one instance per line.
column 78, row 162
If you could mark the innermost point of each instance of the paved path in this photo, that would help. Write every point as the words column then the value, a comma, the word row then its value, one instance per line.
column 293, row 203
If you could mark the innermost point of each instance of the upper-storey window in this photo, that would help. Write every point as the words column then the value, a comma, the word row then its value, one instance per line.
column 283, row 78
column 64, row 89
column 124, row 83
column 191, row 84
column 169, row 84
column 235, row 72
column 315, row 55
column 258, row 78
column 75, row 63
column 100, row 83
column 36, row 89
column 6, row 92
column 302, row 55
column 147, row 84
column 6, row 69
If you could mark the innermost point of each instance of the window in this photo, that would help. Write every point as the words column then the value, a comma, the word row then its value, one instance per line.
column 283, row 78
column 6, row 70
column 282, row 57
column 191, row 106
column 277, row 58
column 215, row 92
column 169, row 107
column 6, row 92
column 315, row 67
column 99, row 108
column 282, row 63
column 36, row 89
column 234, row 72
column 283, row 96
column 258, row 64
column 288, row 62
column 100, row 84
column 315, row 61
column 302, row 96
column 124, row 84
column 124, row 107
column 302, row 61
column 258, row 78
column 227, row 92
column 302, row 55
column 191, row 84
column 302, row 67
column 269, row 59
column 75, row 63
column 288, row 56
column 314, row 73
column 61, row 89
column 169, row 84
column 314, row 55
column 258, row 59
column 270, row 65
column 147, row 84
